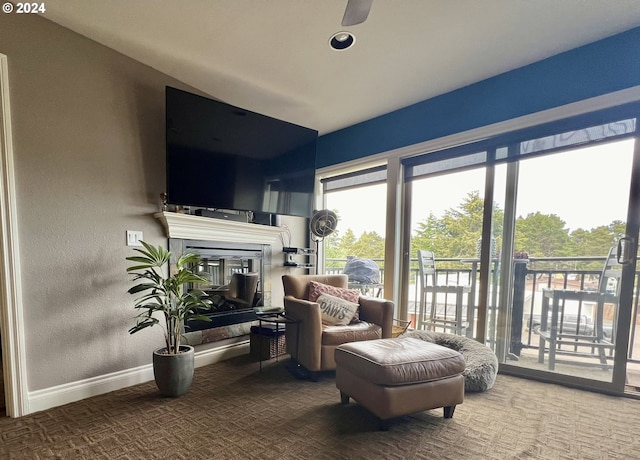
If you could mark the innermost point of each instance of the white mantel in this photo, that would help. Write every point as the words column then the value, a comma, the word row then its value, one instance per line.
column 190, row 227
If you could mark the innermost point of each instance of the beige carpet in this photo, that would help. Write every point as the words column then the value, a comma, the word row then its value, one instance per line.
column 234, row 412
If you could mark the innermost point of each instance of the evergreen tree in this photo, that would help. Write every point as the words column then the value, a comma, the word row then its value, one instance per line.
column 370, row 245
column 542, row 235
column 462, row 228
column 457, row 234
column 426, row 235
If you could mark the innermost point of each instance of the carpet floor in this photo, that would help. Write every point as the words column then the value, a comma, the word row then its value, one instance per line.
column 233, row 411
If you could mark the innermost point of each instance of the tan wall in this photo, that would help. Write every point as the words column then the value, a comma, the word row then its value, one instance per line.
column 88, row 131
column 297, row 229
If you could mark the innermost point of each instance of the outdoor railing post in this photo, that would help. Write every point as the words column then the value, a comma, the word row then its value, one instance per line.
column 517, row 312
column 471, row 307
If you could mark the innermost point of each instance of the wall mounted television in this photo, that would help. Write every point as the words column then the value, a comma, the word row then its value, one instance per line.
column 223, row 157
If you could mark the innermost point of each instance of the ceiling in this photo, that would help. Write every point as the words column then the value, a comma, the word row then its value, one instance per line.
column 273, row 56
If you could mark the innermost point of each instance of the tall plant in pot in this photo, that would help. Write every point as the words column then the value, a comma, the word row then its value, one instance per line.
column 162, row 299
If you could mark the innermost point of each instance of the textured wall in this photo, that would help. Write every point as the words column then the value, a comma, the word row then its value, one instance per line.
column 88, row 131
column 88, row 128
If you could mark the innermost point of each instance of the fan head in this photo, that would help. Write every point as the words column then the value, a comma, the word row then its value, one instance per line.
column 323, row 223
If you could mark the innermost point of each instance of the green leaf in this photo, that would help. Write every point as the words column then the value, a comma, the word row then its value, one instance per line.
column 160, row 294
column 143, row 325
column 142, row 260
column 137, row 267
column 141, row 287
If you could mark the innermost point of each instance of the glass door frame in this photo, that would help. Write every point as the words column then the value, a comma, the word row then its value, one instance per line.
column 477, row 155
column 509, row 140
column 625, row 314
column 617, row 383
column 485, row 263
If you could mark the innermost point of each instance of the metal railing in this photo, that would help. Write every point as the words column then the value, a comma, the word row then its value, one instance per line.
column 530, row 276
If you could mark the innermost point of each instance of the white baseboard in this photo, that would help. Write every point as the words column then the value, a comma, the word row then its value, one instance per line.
column 69, row 392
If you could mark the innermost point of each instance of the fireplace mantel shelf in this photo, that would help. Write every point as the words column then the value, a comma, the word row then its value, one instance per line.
column 190, row 227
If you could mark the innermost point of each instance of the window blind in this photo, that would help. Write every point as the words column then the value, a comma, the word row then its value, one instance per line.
column 355, row 179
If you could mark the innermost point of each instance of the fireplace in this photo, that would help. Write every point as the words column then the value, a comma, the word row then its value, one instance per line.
column 234, row 254
column 239, row 275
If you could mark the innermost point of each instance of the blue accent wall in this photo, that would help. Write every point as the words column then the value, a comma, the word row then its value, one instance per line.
column 592, row 70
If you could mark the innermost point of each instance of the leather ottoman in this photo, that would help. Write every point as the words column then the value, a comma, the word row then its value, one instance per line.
column 397, row 377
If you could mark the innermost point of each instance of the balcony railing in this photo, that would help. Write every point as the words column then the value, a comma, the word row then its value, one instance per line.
column 530, row 276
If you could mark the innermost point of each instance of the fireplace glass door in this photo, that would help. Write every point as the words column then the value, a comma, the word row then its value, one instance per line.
column 236, row 279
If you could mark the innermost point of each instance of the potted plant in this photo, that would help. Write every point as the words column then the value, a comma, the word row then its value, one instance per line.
column 165, row 297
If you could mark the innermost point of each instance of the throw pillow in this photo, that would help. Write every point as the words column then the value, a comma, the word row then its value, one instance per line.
column 351, row 295
column 315, row 289
column 336, row 311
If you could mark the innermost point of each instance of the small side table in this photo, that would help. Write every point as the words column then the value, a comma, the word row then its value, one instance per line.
column 278, row 318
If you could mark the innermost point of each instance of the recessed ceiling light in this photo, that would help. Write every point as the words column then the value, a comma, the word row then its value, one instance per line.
column 341, row 41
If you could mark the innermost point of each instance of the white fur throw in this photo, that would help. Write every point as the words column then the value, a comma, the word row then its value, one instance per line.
column 482, row 364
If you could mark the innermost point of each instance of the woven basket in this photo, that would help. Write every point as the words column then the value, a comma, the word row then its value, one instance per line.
column 399, row 327
column 267, row 346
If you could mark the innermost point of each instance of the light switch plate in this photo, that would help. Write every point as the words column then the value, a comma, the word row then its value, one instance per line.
column 134, row 237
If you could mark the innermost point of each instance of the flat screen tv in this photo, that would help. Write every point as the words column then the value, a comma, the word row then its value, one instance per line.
column 223, row 157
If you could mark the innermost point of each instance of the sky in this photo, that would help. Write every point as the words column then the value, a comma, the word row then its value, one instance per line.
column 585, row 187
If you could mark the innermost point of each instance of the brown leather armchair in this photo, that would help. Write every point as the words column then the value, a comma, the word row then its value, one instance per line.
column 314, row 344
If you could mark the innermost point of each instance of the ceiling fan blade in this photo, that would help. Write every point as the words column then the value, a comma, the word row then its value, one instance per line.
column 356, row 12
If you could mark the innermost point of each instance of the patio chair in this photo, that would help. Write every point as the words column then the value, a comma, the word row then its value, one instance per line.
column 439, row 317
column 581, row 341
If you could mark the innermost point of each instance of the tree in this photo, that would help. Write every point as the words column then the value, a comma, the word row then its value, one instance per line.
column 339, row 247
column 462, row 228
column 596, row 242
column 370, row 245
column 428, row 231
column 542, row 235
column 457, row 233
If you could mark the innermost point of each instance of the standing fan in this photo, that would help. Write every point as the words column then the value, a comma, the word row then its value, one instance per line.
column 322, row 224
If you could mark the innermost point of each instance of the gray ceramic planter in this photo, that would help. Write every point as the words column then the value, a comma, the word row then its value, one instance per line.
column 173, row 373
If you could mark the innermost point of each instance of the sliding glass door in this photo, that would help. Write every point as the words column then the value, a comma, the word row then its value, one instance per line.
column 531, row 223
column 570, row 212
column 446, row 219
